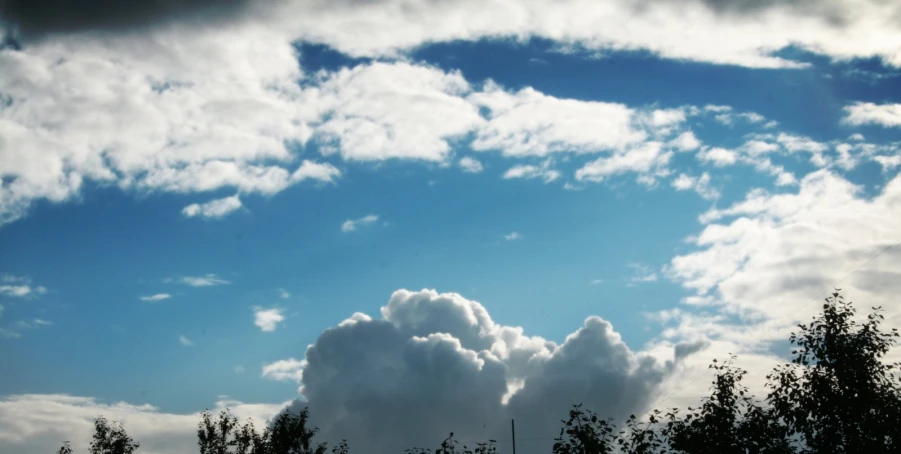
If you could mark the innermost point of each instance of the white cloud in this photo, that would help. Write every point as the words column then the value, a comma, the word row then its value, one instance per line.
column 351, row 225
column 470, row 165
column 696, row 31
column 284, row 294
column 888, row 162
column 185, row 341
column 857, row 137
column 156, row 297
column 643, row 273
column 267, row 319
column 685, row 142
column 208, row 280
column 719, row 157
column 285, row 370
column 701, row 185
column 530, row 123
column 597, row 281
column 513, row 236
column 213, row 209
column 528, row 171
column 239, row 369
column 41, row 422
column 863, row 113
column 319, row 171
column 19, row 287
column 647, row 160
column 394, row 110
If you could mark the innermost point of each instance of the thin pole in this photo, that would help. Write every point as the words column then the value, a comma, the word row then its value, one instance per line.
column 513, row 431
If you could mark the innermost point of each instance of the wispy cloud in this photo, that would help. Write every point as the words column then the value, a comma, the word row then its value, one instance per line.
column 239, row 369
column 284, row 294
column 351, row 225
column 512, row 236
column 208, row 280
column 597, row 281
column 19, row 287
column 642, row 274
column 156, row 297
column 267, row 319
column 214, row 209
column 15, row 329
column 185, row 341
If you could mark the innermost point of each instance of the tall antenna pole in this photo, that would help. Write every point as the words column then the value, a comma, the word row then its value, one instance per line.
column 513, row 431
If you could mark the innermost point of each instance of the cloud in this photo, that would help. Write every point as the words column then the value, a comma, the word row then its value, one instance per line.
column 762, row 258
column 239, row 369
column 864, row 113
column 156, row 297
column 319, row 171
column 719, row 157
column 394, row 111
column 597, row 281
column 470, row 165
column 351, row 225
column 441, row 354
column 213, row 209
column 685, row 142
column 285, row 370
column 185, row 341
column 208, row 280
column 512, row 236
column 528, row 171
column 642, row 274
column 284, row 294
column 267, row 319
column 19, row 287
column 649, row 160
column 700, row 185
column 14, row 330
column 41, row 422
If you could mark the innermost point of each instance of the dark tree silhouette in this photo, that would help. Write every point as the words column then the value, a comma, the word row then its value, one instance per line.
column 65, row 448
column 110, row 438
column 585, row 433
column 837, row 394
column 452, row 446
column 288, row 434
column 729, row 421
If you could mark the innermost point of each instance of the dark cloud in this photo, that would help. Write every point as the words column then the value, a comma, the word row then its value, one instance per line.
column 835, row 12
column 33, row 18
column 436, row 363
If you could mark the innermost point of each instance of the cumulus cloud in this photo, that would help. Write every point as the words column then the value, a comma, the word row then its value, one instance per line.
column 441, row 354
column 470, row 165
column 213, row 209
column 719, row 157
column 156, row 297
column 41, row 422
column 351, row 225
column 267, row 319
column 863, row 113
column 208, row 280
column 512, row 236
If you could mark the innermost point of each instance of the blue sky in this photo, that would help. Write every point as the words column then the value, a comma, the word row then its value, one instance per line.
column 156, row 251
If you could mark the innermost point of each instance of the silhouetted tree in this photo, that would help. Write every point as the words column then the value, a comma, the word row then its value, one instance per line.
column 837, row 394
column 288, row 434
column 110, row 438
column 642, row 437
column 585, row 433
column 729, row 421
column 65, row 448
column 452, row 446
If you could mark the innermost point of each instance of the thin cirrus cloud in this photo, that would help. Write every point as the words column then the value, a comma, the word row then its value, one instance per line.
column 208, row 280
column 267, row 319
column 352, row 225
column 185, row 341
column 156, row 297
column 19, row 287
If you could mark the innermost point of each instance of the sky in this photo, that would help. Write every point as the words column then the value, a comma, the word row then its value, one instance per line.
column 418, row 217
